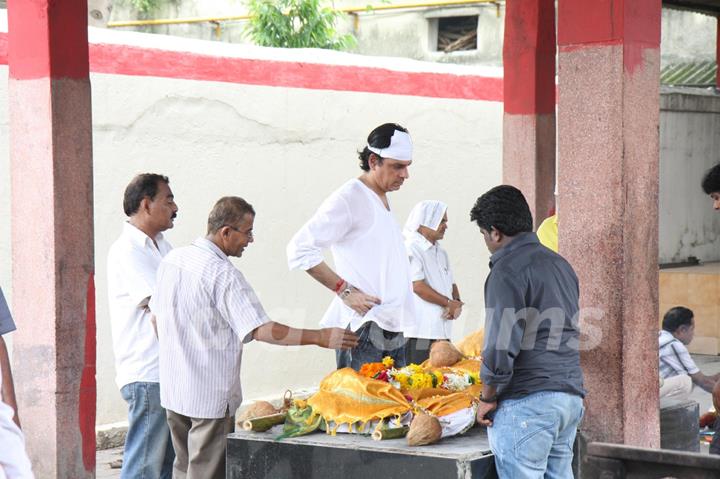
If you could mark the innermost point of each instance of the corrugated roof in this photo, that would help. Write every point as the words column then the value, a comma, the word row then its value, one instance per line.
column 700, row 74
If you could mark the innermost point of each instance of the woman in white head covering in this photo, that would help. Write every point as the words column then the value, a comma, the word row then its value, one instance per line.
column 437, row 299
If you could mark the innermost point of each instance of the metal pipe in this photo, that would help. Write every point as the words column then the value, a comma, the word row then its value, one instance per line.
column 349, row 10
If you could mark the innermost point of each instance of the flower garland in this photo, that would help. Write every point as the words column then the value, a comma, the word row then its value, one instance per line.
column 414, row 377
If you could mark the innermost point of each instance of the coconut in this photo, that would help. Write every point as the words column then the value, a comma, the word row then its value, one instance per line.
column 424, row 429
column 257, row 409
column 444, row 354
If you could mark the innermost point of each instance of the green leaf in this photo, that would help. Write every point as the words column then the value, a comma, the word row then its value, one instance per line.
column 294, row 24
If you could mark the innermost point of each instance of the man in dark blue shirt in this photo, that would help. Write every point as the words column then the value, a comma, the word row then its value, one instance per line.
column 531, row 373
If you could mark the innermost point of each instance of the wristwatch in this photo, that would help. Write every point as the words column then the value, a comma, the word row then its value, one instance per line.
column 345, row 293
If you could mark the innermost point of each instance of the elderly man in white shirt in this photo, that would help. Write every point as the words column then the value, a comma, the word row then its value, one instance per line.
column 205, row 311
column 132, row 265
column 437, row 298
column 373, row 292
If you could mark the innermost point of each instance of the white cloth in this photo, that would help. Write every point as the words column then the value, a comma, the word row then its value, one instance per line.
column 205, row 310
column 14, row 462
column 400, row 148
column 132, row 265
column 429, row 263
column 426, row 213
column 368, row 250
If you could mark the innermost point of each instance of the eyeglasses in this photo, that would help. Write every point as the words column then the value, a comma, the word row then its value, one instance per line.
column 249, row 234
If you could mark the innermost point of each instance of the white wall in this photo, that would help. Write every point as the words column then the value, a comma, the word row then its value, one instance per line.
column 689, row 146
column 284, row 150
column 687, row 36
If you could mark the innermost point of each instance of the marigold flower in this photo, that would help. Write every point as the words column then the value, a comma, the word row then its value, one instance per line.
column 371, row 369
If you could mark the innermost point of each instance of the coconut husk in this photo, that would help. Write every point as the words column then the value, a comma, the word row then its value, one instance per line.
column 424, row 429
column 444, row 354
column 257, row 409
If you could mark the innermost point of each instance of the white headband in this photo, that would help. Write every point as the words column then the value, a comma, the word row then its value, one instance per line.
column 400, row 147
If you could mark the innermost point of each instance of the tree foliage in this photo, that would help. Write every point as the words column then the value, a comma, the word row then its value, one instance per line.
column 295, row 24
column 145, row 6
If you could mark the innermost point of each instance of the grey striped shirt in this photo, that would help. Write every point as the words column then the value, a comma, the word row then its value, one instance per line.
column 674, row 357
column 205, row 310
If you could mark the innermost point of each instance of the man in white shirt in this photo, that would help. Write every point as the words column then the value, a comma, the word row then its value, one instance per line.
column 677, row 369
column 437, row 298
column 372, row 287
column 7, row 385
column 205, row 311
column 132, row 268
column 14, row 462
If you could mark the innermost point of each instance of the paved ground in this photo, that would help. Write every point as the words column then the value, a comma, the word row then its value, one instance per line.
column 708, row 365
column 103, row 460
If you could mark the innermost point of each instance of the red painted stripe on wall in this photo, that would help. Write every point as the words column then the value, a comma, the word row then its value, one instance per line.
column 137, row 61
column 128, row 60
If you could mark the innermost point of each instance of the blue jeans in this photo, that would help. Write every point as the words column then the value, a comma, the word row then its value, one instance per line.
column 533, row 437
column 148, row 449
column 373, row 345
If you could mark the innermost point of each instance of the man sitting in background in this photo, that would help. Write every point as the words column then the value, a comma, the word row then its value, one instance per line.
column 677, row 369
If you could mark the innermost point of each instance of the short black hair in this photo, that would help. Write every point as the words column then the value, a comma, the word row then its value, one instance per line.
column 143, row 185
column 676, row 317
column 228, row 211
column 503, row 208
column 380, row 137
column 711, row 180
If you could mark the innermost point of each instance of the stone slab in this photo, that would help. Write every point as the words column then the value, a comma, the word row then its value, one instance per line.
column 252, row 455
column 679, row 425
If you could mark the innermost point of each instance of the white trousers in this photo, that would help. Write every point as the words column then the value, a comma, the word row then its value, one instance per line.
column 676, row 387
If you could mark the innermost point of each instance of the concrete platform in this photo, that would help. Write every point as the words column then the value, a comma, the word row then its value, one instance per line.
column 252, row 455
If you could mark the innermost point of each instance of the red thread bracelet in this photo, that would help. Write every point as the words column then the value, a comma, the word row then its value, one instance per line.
column 339, row 285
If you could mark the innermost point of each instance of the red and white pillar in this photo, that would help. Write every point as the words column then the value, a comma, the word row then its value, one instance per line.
column 608, row 122
column 529, row 102
column 52, row 234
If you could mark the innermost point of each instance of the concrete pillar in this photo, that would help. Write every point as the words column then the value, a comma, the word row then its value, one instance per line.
column 52, row 234
column 529, row 102
column 608, row 121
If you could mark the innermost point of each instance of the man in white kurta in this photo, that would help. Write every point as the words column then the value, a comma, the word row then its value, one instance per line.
column 206, row 310
column 437, row 299
column 371, row 281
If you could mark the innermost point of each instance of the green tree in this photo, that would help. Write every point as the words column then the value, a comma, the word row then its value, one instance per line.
column 295, row 24
column 145, row 6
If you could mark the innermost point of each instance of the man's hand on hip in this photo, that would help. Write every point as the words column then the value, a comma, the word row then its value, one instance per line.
column 358, row 301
